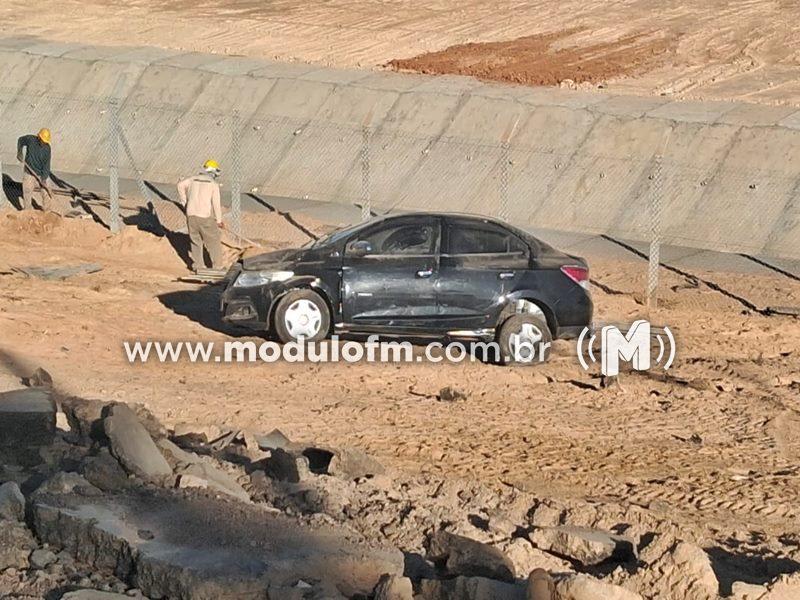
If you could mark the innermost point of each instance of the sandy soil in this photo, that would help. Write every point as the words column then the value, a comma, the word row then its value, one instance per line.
column 715, row 446
column 742, row 49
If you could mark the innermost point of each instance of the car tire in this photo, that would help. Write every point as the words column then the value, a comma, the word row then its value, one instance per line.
column 302, row 314
column 524, row 339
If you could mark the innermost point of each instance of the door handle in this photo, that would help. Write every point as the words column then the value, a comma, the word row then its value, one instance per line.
column 425, row 273
column 506, row 275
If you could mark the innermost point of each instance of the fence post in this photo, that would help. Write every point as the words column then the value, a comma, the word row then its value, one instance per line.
column 505, row 168
column 236, row 173
column 113, row 163
column 654, row 258
column 366, row 197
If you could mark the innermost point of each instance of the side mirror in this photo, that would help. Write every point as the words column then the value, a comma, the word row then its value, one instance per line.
column 358, row 248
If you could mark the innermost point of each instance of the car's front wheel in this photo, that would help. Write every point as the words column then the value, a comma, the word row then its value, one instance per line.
column 302, row 314
column 524, row 339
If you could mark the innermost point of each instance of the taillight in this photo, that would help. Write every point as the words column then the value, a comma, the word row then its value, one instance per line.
column 578, row 274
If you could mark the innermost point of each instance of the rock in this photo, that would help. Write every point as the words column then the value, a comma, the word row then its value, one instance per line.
column 459, row 555
column 191, row 481
column 585, row 587
column 95, row 595
column 201, row 548
column 540, row 585
column 682, row 571
column 104, row 472
column 352, row 463
column 175, row 455
column 748, row 591
column 62, row 423
column 219, row 480
column 346, row 463
column 195, row 434
column 327, row 495
column 40, row 378
column 692, row 560
column 41, row 558
column 216, row 479
column 12, row 502
column 272, row 440
column 546, row 515
column 149, row 421
column 501, row 525
column 450, row 394
column 587, row 546
column 85, row 418
column 27, row 422
column 16, row 545
column 285, row 466
column 392, row 587
column 66, row 483
column 132, row 445
column 251, row 448
column 469, row 588
column 525, row 557
column 784, row 587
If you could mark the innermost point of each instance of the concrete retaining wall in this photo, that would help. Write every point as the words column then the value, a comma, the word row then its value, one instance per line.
column 576, row 161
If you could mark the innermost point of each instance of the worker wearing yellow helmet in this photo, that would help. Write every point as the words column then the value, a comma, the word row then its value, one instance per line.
column 201, row 198
column 33, row 151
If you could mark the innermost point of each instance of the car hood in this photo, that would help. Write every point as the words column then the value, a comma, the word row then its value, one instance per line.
column 273, row 260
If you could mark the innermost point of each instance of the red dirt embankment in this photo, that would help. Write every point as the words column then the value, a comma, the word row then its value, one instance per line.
column 547, row 59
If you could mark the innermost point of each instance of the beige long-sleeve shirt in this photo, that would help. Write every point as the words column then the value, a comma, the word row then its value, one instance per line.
column 200, row 196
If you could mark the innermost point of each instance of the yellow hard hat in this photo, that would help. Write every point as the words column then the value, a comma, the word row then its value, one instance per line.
column 44, row 135
column 211, row 165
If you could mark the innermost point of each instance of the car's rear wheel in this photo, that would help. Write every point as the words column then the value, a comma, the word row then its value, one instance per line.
column 302, row 314
column 524, row 339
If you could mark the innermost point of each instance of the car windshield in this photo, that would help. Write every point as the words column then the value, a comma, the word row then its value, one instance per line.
column 335, row 236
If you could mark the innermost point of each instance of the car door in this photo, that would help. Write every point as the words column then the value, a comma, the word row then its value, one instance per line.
column 389, row 274
column 479, row 263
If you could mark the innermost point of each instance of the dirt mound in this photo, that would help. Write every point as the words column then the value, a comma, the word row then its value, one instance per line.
column 54, row 230
column 134, row 244
column 30, row 222
column 131, row 240
column 547, row 59
column 52, row 227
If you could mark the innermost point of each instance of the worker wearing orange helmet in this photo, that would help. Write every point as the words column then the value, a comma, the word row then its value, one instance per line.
column 201, row 198
column 33, row 151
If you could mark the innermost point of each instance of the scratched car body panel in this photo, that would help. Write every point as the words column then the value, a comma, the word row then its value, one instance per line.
column 418, row 274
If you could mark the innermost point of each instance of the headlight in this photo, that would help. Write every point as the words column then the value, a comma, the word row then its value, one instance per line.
column 256, row 278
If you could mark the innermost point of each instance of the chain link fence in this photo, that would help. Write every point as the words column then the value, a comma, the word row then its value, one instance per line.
column 375, row 168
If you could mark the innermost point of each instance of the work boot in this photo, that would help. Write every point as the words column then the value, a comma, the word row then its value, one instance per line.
column 540, row 585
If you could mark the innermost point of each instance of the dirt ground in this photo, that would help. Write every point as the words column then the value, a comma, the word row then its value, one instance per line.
column 715, row 447
column 741, row 49
column 538, row 60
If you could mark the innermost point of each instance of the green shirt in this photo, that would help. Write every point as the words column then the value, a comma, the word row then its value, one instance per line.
column 37, row 155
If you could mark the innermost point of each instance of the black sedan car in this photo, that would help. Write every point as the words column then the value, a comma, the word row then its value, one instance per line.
column 416, row 275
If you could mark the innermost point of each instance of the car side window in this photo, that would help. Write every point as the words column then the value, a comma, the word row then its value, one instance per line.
column 403, row 239
column 469, row 239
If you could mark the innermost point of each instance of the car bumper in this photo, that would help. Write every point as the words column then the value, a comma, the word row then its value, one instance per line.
column 574, row 313
column 249, row 307
column 570, row 332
